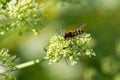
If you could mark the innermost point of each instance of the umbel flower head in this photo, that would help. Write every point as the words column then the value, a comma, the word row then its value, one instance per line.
column 70, row 49
column 26, row 15
column 22, row 16
column 7, row 64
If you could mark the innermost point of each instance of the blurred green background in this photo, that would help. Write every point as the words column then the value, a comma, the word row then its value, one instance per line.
column 102, row 18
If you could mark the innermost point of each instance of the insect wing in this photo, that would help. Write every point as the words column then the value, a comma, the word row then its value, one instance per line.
column 81, row 26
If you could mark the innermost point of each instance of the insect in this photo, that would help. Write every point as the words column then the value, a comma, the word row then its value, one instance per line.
column 75, row 32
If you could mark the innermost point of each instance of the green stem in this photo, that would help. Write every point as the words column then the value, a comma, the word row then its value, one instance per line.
column 29, row 63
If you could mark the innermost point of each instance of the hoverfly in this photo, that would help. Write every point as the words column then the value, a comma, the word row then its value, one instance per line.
column 75, row 32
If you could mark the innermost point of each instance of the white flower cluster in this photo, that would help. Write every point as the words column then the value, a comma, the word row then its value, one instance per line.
column 71, row 48
column 7, row 64
column 23, row 16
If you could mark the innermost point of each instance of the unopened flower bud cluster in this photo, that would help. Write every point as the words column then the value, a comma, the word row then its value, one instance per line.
column 70, row 49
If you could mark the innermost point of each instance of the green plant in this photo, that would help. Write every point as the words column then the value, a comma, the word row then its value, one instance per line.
column 70, row 49
column 21, row 16
column 25, row 16
column 7, row 65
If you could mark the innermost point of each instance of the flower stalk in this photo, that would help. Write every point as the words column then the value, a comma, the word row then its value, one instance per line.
column 29, row 63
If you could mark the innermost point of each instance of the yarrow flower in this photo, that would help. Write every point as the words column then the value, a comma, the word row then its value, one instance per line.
column 70, row 49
